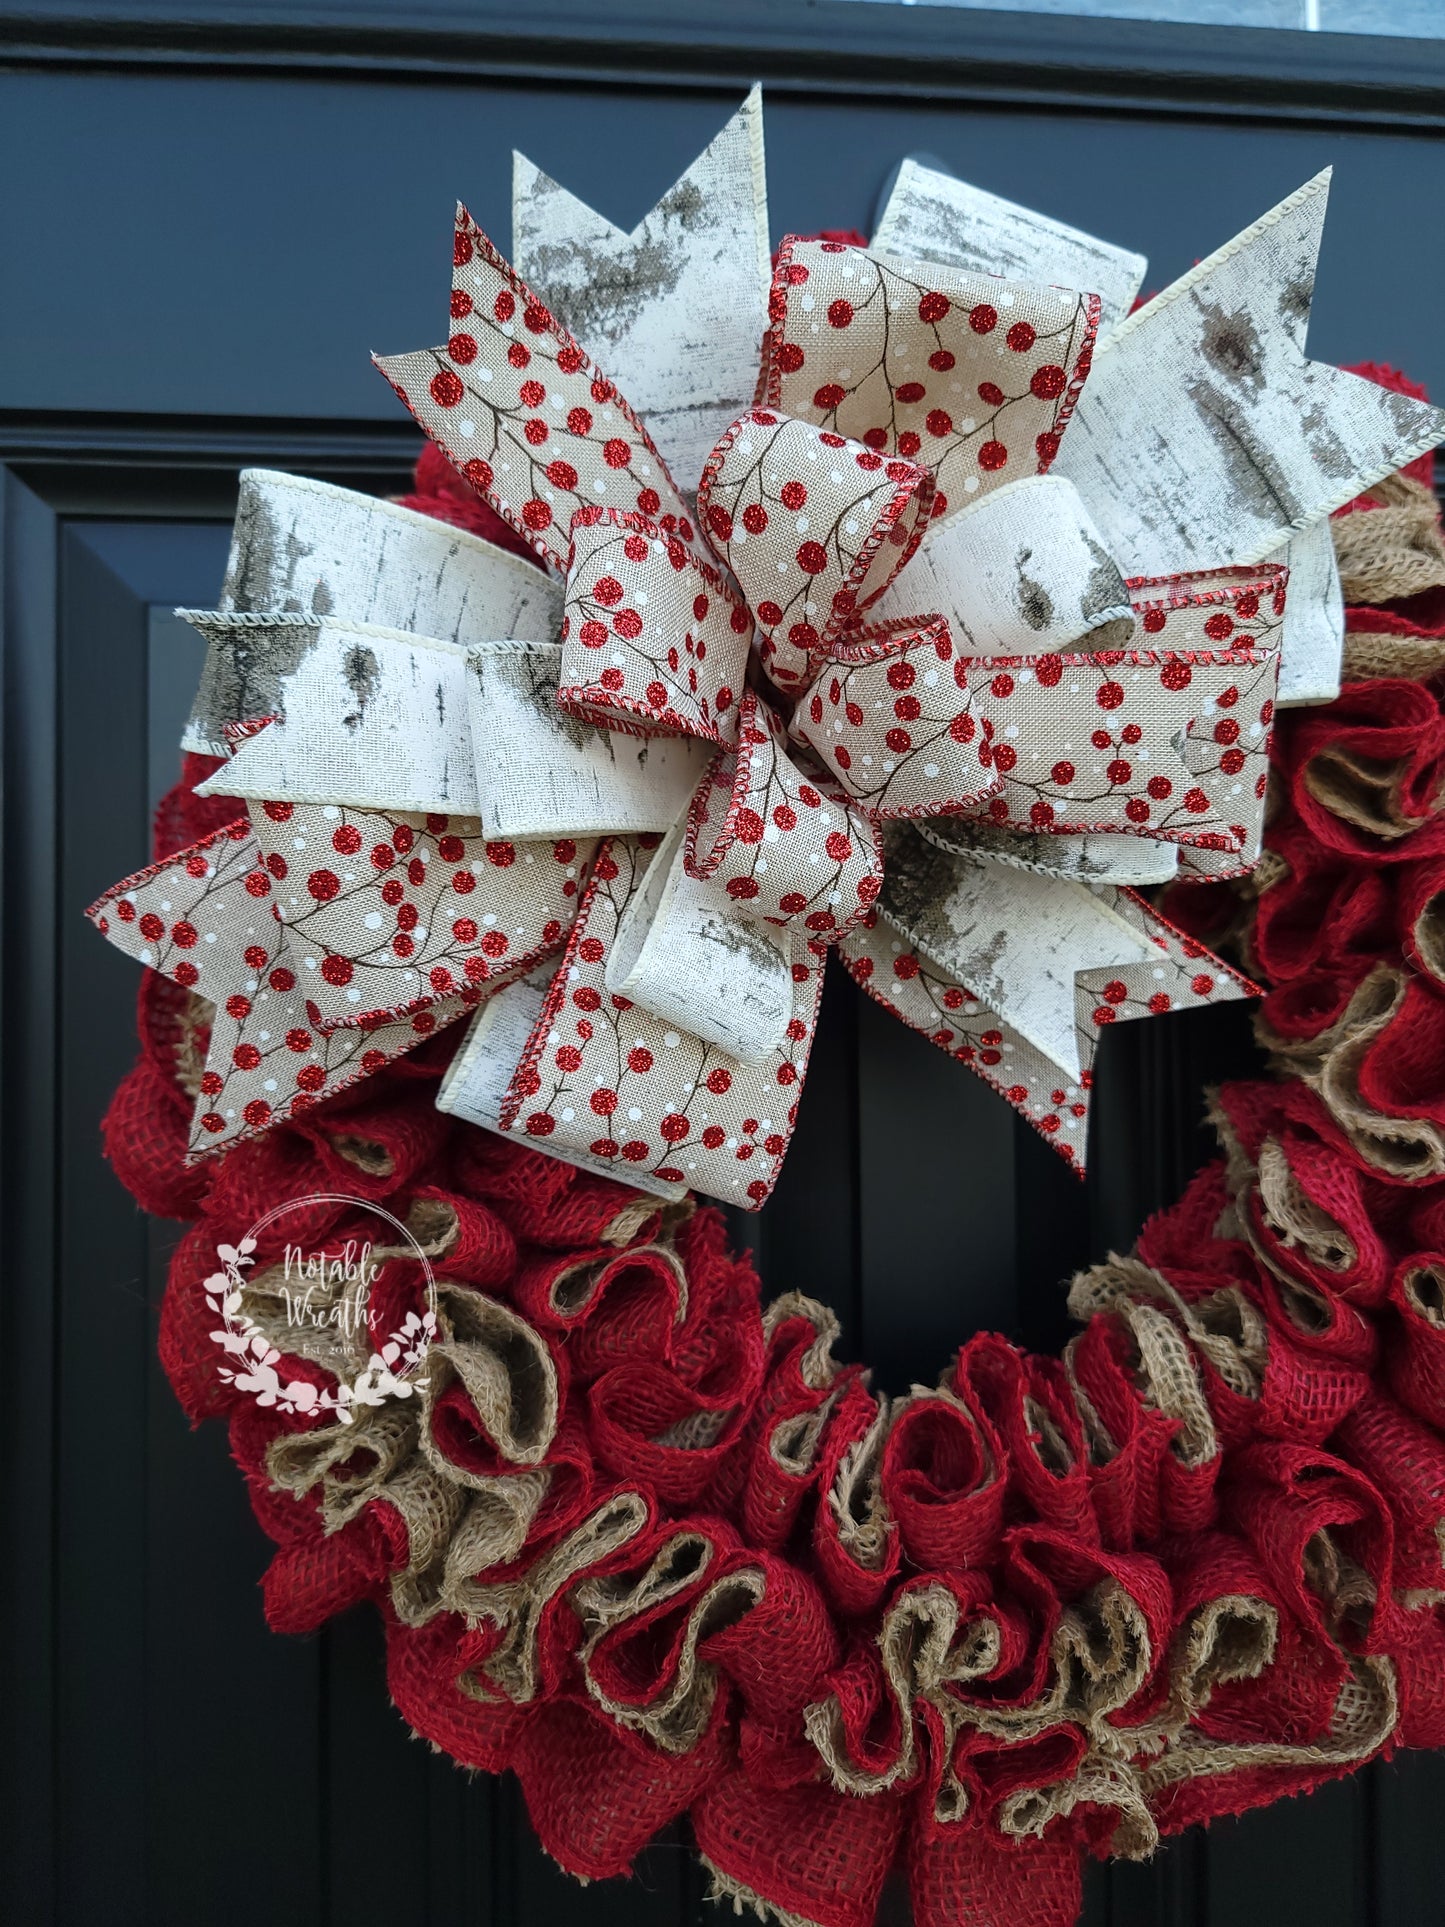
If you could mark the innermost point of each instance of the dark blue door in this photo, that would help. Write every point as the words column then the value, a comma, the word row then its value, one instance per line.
column 206, row 227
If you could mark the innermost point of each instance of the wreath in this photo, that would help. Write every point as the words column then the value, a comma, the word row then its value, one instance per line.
column 634, row 1534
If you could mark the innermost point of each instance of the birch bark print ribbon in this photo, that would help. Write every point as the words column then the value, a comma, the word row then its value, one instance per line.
column 971, row 623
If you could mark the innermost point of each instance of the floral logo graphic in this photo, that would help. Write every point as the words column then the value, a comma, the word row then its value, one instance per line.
column 316, row 1304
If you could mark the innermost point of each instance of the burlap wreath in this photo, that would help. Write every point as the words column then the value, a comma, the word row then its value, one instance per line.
column 651, row 1546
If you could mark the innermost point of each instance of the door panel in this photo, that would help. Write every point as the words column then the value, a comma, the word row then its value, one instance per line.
column 249, row 240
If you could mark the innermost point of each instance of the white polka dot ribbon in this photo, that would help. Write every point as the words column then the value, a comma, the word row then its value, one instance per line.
column 813, row 526
column 782, row 849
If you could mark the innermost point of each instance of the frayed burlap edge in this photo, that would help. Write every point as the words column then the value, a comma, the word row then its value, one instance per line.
column 722, row 1887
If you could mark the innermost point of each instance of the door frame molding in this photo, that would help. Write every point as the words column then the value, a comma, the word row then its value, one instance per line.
column 937, row 52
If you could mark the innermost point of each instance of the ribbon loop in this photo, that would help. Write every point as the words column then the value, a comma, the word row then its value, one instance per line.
column 391, row 913
column 1092, row 743
column 301, row 550
column 892, row 719
column 682, row 956
column 608, row 1078
column 541, row 772
column 813, row 526
column 1020, row 570
column 965, row 372
column 782, row 848
column 653, row 639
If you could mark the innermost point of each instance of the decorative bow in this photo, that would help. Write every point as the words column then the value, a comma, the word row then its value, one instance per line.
column 886, row 686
